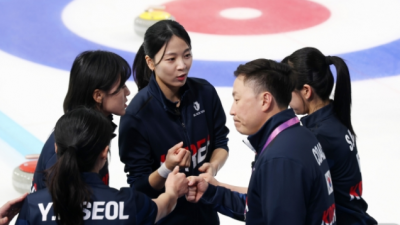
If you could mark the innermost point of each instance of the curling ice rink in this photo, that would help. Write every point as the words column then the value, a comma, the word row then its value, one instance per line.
column 40, row 39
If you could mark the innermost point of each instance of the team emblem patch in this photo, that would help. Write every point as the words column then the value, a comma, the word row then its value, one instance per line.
column 329, row 184
column 196, row 106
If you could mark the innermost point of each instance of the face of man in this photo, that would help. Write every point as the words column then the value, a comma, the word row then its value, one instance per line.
column 248, row 107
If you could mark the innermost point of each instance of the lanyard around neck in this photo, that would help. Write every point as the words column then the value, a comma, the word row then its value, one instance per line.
column 279, row 129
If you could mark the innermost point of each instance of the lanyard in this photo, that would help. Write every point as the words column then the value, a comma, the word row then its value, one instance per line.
column 271, row 137
column 279, row 129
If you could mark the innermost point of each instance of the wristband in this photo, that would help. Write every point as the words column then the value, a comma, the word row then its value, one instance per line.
column 163, row 171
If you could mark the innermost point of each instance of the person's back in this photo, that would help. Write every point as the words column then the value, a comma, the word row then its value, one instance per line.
column 340, row 147
column 330, row 121
column 107, row 206
column 75, row 193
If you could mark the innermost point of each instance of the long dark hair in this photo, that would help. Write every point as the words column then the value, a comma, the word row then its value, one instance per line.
column 81, row 135
column 313, row 69
column 155, row 38
column 93, row 70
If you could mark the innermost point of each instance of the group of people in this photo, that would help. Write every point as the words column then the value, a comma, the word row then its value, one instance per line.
column 173, row 141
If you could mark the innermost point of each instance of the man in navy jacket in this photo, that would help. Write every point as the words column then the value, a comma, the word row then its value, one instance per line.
column 291, row 182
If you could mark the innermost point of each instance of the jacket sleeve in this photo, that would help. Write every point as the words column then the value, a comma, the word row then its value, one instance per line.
column 225, row 201
column 45, row 161
column 23, row 217
column 282, row 191
column 135, row 153
column 220, row 131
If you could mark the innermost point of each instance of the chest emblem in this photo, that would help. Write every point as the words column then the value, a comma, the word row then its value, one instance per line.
column 196, row 106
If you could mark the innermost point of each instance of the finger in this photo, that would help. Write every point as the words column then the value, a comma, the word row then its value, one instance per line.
column 194, row 180
column 204, row 167
column 189, row 159
column 176, row 170
column 176, row 147
column 180, row 155
column 183, row 162
column 5, row 220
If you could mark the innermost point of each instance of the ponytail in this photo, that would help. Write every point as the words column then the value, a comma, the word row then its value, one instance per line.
column 342, row 98
column 141, row 72
column 312, row 68
column 67, row 189
column 81, row 135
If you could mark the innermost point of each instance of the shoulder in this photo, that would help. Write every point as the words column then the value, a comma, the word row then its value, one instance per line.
column 199, row 84
column 142, row 101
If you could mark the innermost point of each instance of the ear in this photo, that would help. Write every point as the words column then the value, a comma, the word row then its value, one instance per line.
column 103, row 154
column 266, row 101
column 150, row 62
column 55, row 147
column 98, row 96
column 307, row 92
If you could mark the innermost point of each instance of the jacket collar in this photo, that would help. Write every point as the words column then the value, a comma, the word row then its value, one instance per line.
column 159, row 95
column 318, row 116
column 114, row 126
column 92, row 178
column 258, row 139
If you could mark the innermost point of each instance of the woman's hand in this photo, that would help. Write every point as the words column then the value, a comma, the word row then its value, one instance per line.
column 176, row 183
column 10, row 209
column 178, row 156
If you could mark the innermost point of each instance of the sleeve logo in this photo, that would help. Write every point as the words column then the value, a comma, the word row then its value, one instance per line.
column 328, row 179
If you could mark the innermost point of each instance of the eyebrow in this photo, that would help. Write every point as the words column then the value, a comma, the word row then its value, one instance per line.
column 174, row 53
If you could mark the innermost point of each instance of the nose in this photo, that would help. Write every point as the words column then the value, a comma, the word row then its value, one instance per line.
column 232, row 111
column 181, row 64
column 127, row 91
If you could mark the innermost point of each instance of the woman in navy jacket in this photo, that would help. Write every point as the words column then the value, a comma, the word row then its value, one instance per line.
column 97, row 80
column 330, row 121
column 77, row 195
column 172, row 109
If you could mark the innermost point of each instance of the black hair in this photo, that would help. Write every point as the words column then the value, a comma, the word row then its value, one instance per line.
column 81, row 135
column 312, row 68
column 268, row 75
column 155, row 38
column 93, row 70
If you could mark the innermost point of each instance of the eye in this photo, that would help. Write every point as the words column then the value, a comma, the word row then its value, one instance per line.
column 171, row 59
column 188, row 55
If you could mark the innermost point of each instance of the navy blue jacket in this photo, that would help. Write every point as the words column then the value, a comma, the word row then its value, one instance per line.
column 153, row 124
column 290, row 183
column 107, row 206
column 344, row 162
column 48, row 158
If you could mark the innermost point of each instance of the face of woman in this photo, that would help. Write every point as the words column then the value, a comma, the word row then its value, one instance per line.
column 115, row 103
column 172, row 69
column 297, row 103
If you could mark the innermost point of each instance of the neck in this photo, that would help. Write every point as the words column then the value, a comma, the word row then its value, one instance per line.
column 270, row 114
column 317, row 104
column 171, row 93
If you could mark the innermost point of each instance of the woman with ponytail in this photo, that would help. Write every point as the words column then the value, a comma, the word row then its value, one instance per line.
column 330, row 121
column 97, row 80
column 172, row 109
column 77, row 195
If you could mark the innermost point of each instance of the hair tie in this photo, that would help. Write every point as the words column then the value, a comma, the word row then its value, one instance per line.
column 328, row 60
